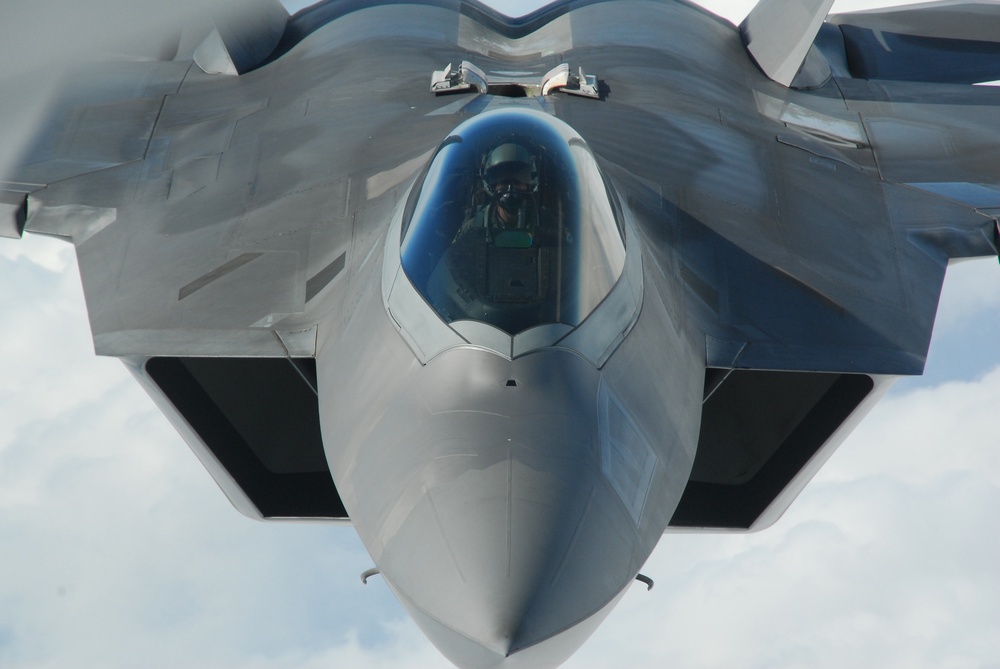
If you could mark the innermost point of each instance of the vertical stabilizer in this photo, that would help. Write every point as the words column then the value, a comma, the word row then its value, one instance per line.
column 243, row 37
column 778, row 34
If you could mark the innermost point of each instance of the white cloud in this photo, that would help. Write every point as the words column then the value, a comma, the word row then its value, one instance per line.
column 970, row 290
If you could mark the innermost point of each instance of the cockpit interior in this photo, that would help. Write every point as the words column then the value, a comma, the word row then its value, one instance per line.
column 512, row 225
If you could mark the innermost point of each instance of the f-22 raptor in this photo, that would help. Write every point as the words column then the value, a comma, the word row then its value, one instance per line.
column 515, row 297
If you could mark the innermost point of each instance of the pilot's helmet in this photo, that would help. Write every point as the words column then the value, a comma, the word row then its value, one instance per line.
column 509, row 167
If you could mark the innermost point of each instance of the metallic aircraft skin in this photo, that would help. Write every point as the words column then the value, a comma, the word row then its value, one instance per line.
column 784, row 249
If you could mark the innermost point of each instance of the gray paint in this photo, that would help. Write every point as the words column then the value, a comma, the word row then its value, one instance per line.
column 216, row 274
column 779, row 34
column 769, row 228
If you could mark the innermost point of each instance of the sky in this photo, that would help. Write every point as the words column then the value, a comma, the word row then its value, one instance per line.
column 117, row 550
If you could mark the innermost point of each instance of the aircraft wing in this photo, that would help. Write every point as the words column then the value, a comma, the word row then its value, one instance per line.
column 922, row 78
column 217, row 217
column 209, row 211
column 249, row 188
column 813, row 221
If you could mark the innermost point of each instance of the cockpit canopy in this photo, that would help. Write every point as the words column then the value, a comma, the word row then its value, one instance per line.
column 512, row 225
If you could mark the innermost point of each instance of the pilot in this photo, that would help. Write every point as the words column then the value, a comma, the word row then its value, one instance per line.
column 508, row 216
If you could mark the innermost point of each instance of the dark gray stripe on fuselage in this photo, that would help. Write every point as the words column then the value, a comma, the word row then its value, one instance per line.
column 217, row 273
column 322, row 278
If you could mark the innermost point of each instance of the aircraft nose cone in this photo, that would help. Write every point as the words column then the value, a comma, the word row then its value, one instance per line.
column 511, row 507
column 511, row 545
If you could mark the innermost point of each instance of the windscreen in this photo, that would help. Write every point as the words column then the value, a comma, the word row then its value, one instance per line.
column 512, row 225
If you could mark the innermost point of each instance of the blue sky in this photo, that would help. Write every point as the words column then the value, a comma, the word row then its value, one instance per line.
column 117, row 550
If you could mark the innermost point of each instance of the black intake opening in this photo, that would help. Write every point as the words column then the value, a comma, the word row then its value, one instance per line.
column 260, row 418
column 758, row 430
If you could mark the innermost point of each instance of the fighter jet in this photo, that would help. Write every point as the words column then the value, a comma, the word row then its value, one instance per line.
column 515, row 297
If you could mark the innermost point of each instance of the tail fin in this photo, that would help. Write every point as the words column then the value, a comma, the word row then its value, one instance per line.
column 779, row 33
column 243, row 37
